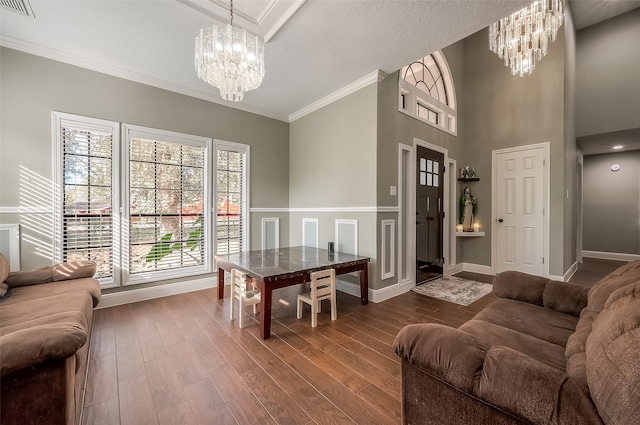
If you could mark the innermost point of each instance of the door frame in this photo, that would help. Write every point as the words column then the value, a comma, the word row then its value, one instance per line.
column 546, row 203
column 446, row 225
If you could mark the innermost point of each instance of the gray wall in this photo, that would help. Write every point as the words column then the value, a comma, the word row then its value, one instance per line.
column 32, row 87
column 608, row 87
column 501, row 111
column 612, row 203
column 395, row 128
column 332, row 172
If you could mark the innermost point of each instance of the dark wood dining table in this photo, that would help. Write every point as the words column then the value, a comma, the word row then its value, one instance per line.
column 271, row 269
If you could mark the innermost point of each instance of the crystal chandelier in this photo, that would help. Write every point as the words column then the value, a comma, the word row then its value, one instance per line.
column 229, row 58
column 523, row 38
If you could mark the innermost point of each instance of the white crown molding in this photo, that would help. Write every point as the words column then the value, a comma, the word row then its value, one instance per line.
column 276, row 16
column 103, row 68
column 126, row 74
column 271, row 19
column 375, row 77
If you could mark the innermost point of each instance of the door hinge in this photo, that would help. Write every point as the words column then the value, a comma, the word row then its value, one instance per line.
column 542, row 260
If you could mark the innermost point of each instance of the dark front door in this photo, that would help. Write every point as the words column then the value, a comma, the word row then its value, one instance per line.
column 429, row 215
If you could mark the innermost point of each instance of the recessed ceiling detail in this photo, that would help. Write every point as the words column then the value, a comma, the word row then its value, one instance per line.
column 264, row 17
column 20, row 6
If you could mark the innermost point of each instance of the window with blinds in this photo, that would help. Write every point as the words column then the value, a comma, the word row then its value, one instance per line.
column 231, row 196
column 86, row 227
column 166, row 216
column 161, row 181
column 167, row 203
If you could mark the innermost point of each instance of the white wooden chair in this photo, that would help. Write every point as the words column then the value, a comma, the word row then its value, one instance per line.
column 243, row 292
column 323, row 287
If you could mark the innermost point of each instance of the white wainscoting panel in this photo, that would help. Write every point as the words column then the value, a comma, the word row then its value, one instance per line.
column 310, row 232
column 347, row 236
column 270, row 233
column 10, row 244
column 388, row 248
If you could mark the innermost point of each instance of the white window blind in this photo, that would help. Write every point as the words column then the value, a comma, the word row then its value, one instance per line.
column 86, row 226
column 167, row 203
column 231, row 198
column 162, row 182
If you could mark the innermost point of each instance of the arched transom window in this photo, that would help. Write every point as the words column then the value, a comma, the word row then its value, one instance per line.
column 426, row 92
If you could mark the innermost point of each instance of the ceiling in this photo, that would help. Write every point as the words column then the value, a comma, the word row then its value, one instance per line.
column 314, row 48
column 629, row 140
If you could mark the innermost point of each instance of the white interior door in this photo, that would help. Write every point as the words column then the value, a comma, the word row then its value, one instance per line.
column 520, row 194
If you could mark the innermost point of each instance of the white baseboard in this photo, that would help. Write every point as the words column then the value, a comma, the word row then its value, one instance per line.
column 476, row 268
column 149, row 293
column 375, row 295
column 611, row 255
column 569, row 274
column 457, row 268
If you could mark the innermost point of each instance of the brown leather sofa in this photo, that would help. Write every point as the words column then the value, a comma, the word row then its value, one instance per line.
column 45, row 326
column 545, row 352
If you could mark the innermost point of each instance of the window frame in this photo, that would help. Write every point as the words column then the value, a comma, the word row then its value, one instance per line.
column 60, row 120
column 134, row 131
column 120, row 186
column 245, row 207
column 409, row 96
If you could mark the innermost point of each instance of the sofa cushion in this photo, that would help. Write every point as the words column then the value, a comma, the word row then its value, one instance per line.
column 520, row 286
column 578, row 340
column 32, row 292
column 577, row 370
column 541, row 350
column 539, row 322
column 33, row 309
column 613, row 358
column 61, row 317
column 516, row 383
column 565, row 297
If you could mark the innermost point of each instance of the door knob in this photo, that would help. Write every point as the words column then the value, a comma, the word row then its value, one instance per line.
column 500, row 220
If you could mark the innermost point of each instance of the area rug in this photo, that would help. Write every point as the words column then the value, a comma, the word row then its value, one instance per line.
column 454, row 289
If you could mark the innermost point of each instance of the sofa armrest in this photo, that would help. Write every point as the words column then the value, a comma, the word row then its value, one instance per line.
column 59, row 272
column 447, row 353
column 31, row 346
column 565, row 297
column 520, row 286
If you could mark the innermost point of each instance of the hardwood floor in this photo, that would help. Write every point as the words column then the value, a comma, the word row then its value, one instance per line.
column 180, row 360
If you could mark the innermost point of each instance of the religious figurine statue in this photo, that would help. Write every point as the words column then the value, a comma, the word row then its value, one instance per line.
column 468, row 208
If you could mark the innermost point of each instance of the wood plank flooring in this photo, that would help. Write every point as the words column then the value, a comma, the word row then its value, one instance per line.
column 180, row 360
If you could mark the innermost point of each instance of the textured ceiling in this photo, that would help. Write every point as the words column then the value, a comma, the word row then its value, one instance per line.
column 324, row 46
column 314, row 49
